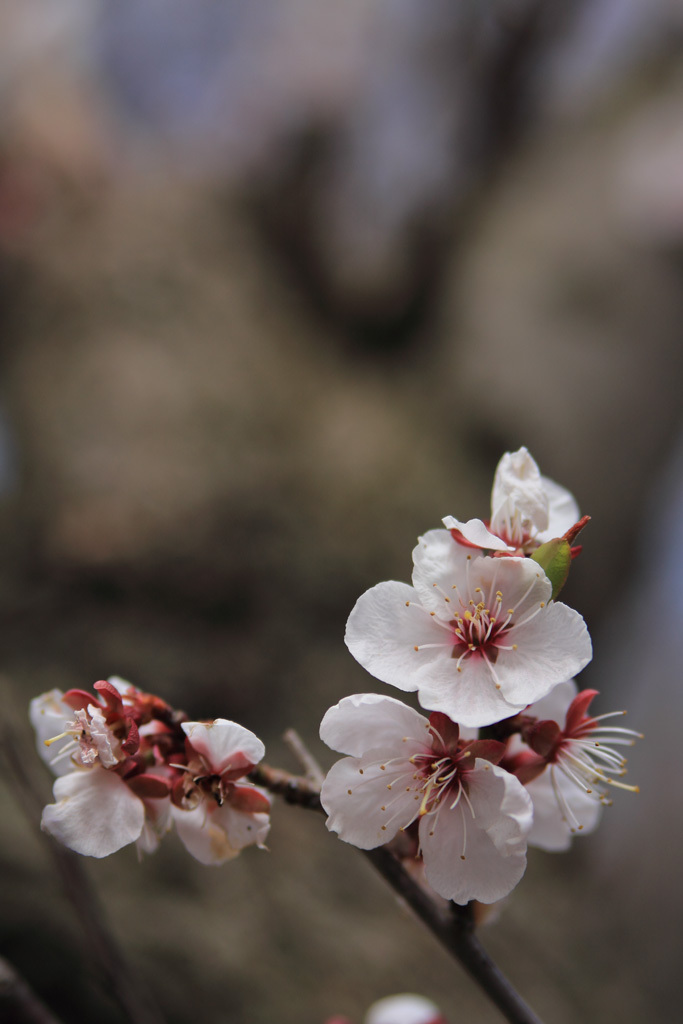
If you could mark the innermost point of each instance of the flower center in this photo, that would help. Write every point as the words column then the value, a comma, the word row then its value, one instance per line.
column 478, row 630
column 441, row 779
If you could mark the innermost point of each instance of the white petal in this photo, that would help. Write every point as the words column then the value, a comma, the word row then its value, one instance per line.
column 555, row 705
column 386, row 625
column 517, row 486
column 359, row 802
column 95, row 814
column 563, row 510
column 550, row 649
column 439, row 563
column 550, row 831
column 219, row 741
column 158, row 821
column 469, row 697
column 215, row 834
column 367, row 720
column 485, row 874
column 476, row 533
column 501, row 803
column 50, row 716
column 492, row 841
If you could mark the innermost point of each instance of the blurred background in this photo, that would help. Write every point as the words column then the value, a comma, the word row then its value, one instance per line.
column 279, row 283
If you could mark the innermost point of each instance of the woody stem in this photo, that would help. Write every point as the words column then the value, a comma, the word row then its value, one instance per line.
column 453, row 927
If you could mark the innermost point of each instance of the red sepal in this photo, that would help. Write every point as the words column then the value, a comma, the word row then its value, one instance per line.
column 525, row 766
column 577, row 710
column 131, row 743
column 111, row 695
column 79, row 699
column 490, row 750
column 445, row 732
column 574, row 531
column 543, row 737
column 250, row 800
column 151, row 787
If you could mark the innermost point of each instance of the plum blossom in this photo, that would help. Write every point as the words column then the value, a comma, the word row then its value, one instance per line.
column 566, row 759
column 403, row 770
column 216, row 814
column 105, row 798
column 478, row 638
column 527, row 509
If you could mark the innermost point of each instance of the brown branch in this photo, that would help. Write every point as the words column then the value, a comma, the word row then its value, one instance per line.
column 452, row 926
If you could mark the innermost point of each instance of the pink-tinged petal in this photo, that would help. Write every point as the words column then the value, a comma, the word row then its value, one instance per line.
column 476, row 533
column 221, row 742
column 367, row 720
column 50, row 716
column 205, row 840
column 563, row 511
column 518, row 487
column 362, row 809
column 95, row 814
column 214, row 834
column 242, row 828
column 158, row 821
column 481, row 872
column 386, row 625
column 551, row 648
column 550, row 830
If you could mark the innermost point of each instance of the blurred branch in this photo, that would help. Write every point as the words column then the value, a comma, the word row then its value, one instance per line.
column 314, row 772
column 105, row 951
column 452, row 926
column 18, row 1003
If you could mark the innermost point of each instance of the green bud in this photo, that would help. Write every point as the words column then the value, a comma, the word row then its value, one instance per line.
column 555, row 557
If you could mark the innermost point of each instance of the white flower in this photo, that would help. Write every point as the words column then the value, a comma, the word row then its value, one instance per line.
column 214, row 815
column 527, row 509
column 404, row 1009
column 473, row 816
column 567, row 763
column 104, row 798
column 477, row 637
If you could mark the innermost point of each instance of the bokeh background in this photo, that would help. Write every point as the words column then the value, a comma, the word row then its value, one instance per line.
column 279, row 282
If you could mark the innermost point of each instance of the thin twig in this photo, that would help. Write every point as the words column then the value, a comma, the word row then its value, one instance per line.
column 18, row 1003
column 309, row 764
column 119, row 977
column 452, row 926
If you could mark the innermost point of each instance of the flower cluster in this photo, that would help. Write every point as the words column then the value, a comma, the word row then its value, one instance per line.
column 482, row 641
column 130, row 768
